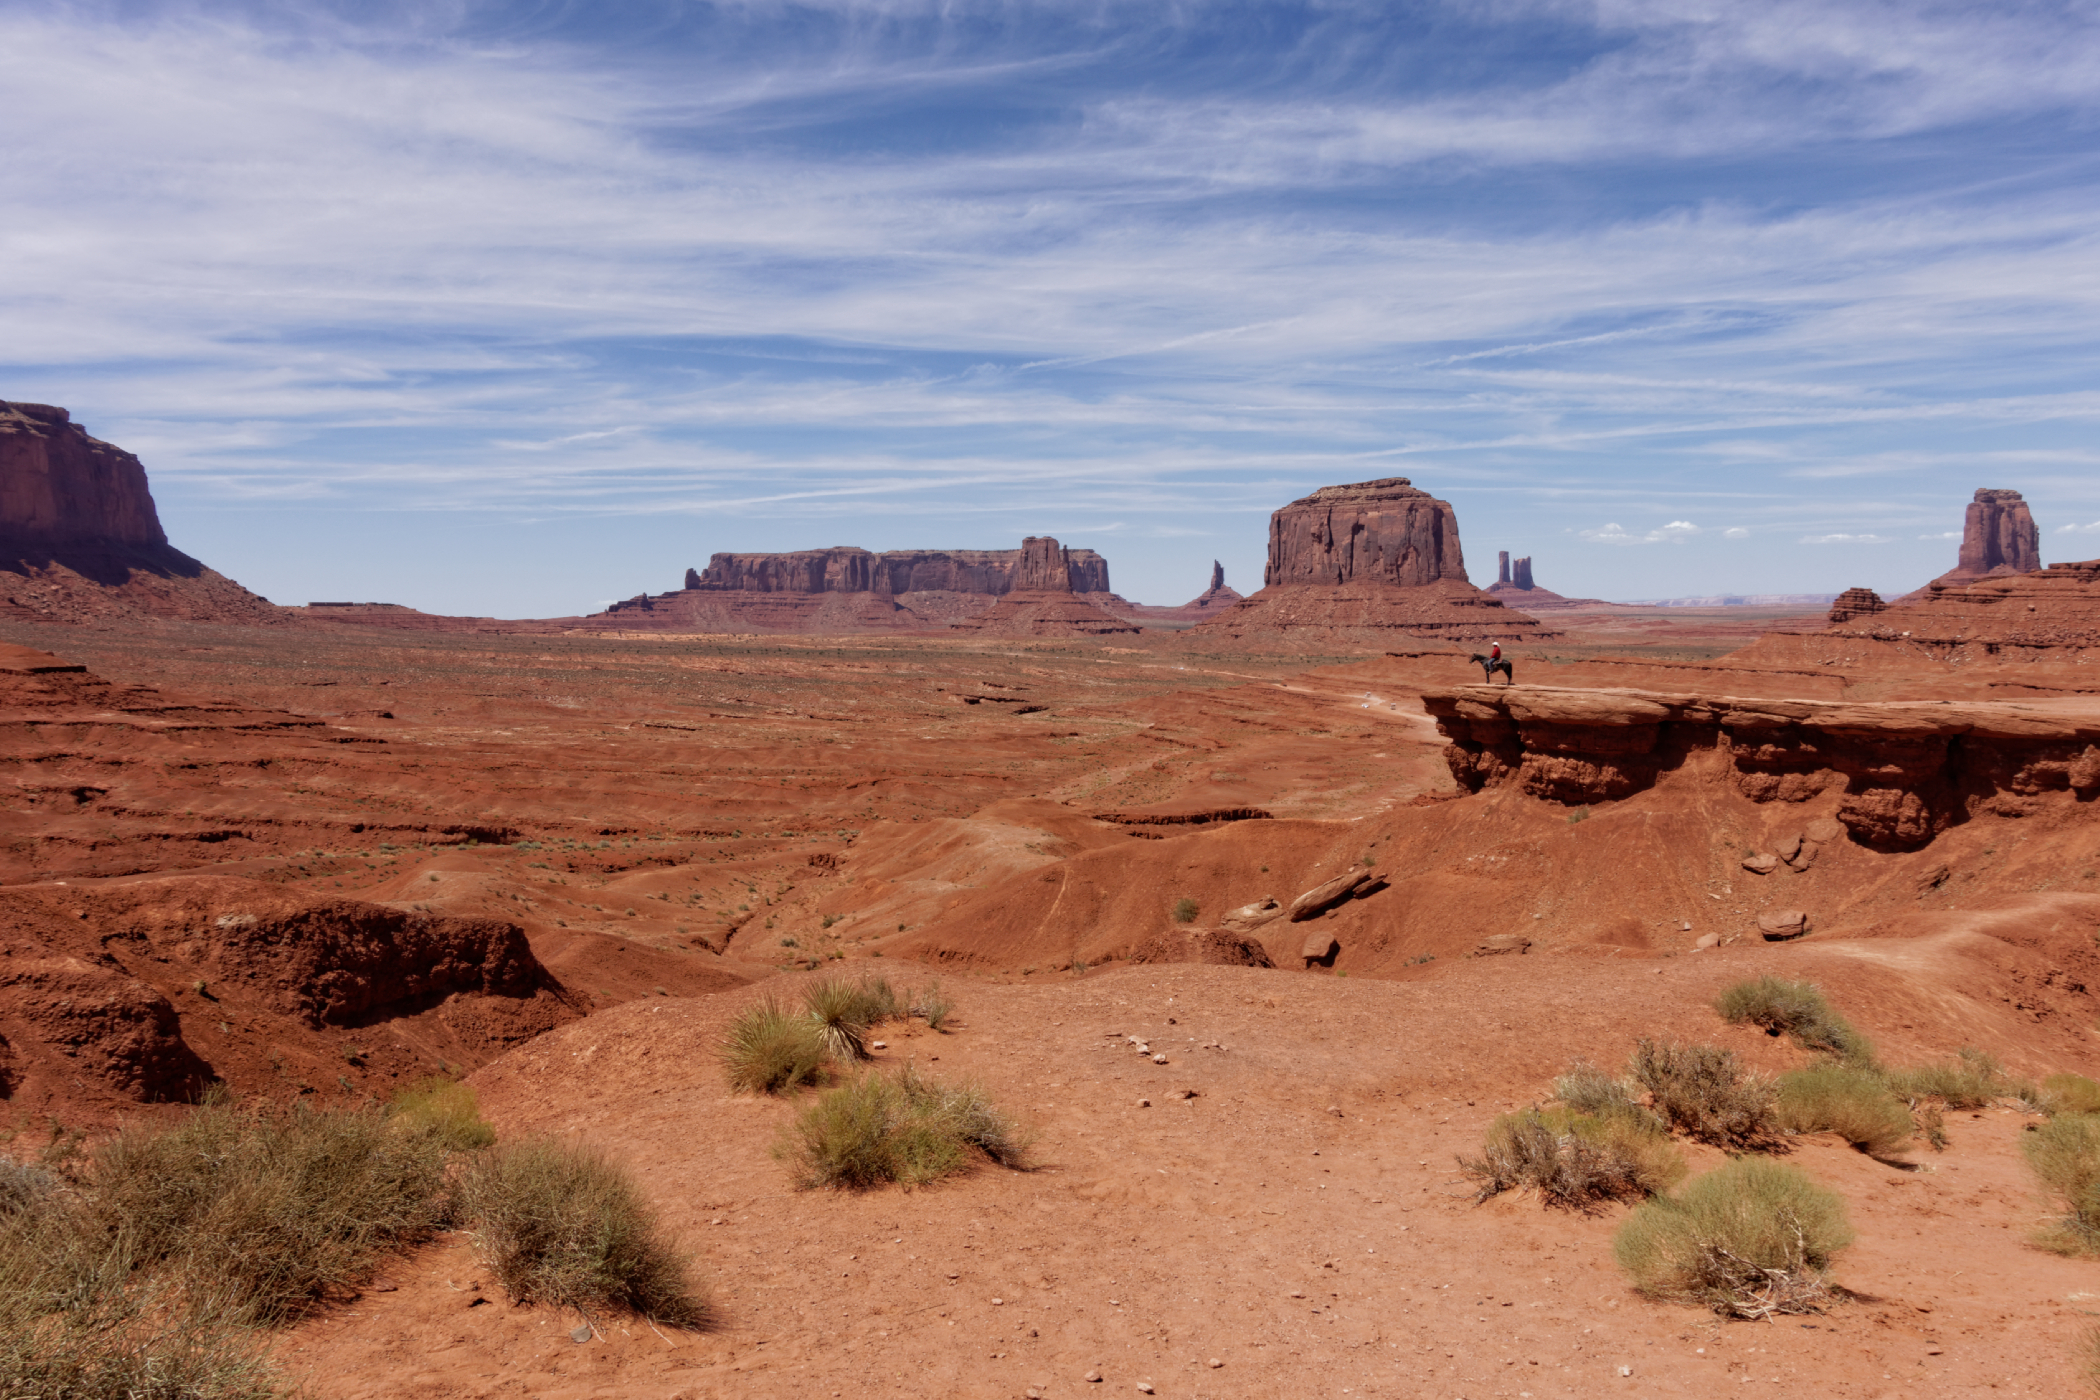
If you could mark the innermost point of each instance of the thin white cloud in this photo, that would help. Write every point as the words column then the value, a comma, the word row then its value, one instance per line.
column 1618, row 534
column 1845, row 539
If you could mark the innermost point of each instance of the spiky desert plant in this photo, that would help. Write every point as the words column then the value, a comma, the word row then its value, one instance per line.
column 771, row 1048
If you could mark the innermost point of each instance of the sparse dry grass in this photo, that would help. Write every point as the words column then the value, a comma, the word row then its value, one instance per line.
column 905, row 1129
column 446, row 1110
column 1700, row 1091
column 1797, row 1009
column 278, row 1209
column 1576, row 1160
column 561, row 1223
column 2070, row 1093
column 845, row 1012
column 772, row 1048
column 2065, row 1154
column 1853, row 1103
column 1185, row 910
column 1752, row 1238
column 1971, row 1079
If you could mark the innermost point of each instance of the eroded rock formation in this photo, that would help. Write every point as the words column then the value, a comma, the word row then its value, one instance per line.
column 80, row 537
column 1998, row 537
column 1907, row 771
column 1361, row 563
column 1038, row 564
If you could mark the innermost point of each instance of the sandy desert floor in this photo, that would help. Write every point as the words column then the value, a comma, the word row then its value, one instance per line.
column 678, row 825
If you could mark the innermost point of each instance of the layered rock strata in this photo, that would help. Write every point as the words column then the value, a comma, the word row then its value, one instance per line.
column 1998, row 536
column 2024, row 615
column 80, row 537
column 1037, row 564
column 1043, row 601
column 1906, row 771
column 1361, row 563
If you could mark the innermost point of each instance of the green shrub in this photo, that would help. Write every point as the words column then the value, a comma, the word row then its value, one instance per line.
column 445, row 1109
column 1578, row 1160
column 1752, row 1238
column 1796, row 1009
column 1700, row 1091
column 2062, row 1093
column 770, row 1049
column 1185, row 910
column 277, row 1209
column 1853, row 1103
column 2065, row 1153
column 844, row 1013
column 559, row 1223
column 1971, row 1079
column 902, row 1128
column 1587, row 1089
column 930, row 1002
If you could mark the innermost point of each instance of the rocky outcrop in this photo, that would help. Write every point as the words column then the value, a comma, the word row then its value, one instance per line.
column 1907, row 771
column 1381, row 531
column 2005, row 615
column 1039, row 564
column 1364, row 565
column 1856, row 603
column 1998, row 537
column 1517, row 575
column 80, row 537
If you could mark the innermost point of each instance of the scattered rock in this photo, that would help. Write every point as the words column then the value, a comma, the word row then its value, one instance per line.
column 1215, row 1363
column 1320, row 948
column 1933, row 879
column 878, row 1045
column 1763, row 863
column 580, row 1333
column 1144, row 1103
column 1804, row 856
column 1782, row 924
column 1249, row 917
column 1707, row 940
column 1324, row 896
column 1823, row 831
column 1093, row 1376
column 1144, row 1387
column 1159, row 1059
column 1335, row 1109
column 1501, row 943
column 1789, row 848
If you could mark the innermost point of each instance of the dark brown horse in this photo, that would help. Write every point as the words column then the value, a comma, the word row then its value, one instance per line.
column 1489, row 665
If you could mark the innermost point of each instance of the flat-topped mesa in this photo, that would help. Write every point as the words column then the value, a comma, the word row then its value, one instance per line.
column 847, row 569
column 1383, row 531
column 60, row 486
column 80, row 537
column 1998, row 536
column 1906, row 771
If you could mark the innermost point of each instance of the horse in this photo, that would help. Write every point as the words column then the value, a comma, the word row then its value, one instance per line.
column 1490, row 665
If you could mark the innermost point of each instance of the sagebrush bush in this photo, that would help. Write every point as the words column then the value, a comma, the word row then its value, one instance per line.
column 1587, row 1089
column 1971, row 1079
column 771, row 1048
column 1702, row 1092
column 445, row 1109
column 933, row 1004
column 560, row 1223
column 23, row 1185
column 1797, row 1009
column 1577, row 1160
column 903, row 1128
column 1750, row 1239
column 1853, row 1103
column 2065, row 1153
column 2061, row 1093
column 1185, row 910
column 276, row 1208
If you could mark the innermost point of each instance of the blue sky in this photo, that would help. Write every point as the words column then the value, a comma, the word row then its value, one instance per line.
column 515, row 309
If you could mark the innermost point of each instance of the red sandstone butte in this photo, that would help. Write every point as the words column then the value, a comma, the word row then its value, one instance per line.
column 1998, row 537
column 1043, row 601
column 1364, row 561
column 80, row 538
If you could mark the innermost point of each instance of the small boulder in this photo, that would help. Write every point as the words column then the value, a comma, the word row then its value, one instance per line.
column 1789, row 848
column 1805, row 856
column 1762, row 863
column 1501, row 943
column 1324, row 896
column 1249, row 917
column 1708, row 940
column 1320, row 948
column 1823, row 831
column 1782, row 924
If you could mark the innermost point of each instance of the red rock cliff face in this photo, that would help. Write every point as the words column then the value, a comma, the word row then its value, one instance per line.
column 1999, row 536
column 1373, row 531
column 60, row 486
column 845, row 569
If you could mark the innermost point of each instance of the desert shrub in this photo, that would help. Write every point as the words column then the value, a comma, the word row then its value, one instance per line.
column 844, row 1013
column 1587, row 1089
column 901, row 1128
column 771, row 1048
column 1796, row 1009
column 2088, row 1361
column 274, row 1208
column 1971, row 1079
column 1700, row 1091
column 77, row 1322
column 1185, row 910
column 879, row 999
column 1751, row 1238
column 2065, row 1153
column 1853, row 1103
column 2061, row 1093
column 560, row 1223
column 933, row 1004
column 23, row 1185
column 444, row 1109
column 1578, row 1160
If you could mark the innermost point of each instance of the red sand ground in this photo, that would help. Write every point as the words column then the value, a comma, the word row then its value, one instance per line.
column 659, row 817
